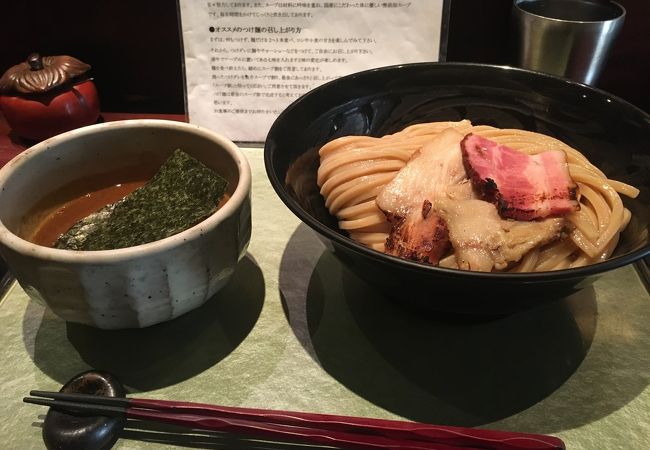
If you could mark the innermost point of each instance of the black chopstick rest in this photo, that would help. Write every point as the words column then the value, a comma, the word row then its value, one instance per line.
column 71, row 432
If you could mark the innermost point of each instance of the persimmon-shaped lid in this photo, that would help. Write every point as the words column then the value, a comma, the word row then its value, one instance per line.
column 41, row 74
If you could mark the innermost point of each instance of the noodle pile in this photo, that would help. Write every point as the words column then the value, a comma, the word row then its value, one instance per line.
column 354, row 169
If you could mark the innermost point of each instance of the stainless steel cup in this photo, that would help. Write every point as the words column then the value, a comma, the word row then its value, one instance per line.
column 569, row 38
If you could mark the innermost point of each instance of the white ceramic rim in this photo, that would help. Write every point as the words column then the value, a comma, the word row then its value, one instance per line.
column 239, row 196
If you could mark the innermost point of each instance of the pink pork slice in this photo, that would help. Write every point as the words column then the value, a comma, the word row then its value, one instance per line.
column 523, row 187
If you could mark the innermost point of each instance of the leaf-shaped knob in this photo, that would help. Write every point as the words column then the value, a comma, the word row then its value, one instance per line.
column 41, row 74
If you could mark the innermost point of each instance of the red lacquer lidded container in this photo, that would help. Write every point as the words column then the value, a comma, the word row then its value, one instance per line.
column 45, row 96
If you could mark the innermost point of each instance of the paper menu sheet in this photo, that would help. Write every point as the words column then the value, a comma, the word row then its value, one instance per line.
column 245, row 61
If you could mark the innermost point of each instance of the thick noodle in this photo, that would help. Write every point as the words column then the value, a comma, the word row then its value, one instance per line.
column 354, row 169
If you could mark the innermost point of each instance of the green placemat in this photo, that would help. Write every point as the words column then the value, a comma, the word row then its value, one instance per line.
column 295, row 330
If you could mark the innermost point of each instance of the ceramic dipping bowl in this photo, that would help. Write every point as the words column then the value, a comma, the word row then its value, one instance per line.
column 129, row 287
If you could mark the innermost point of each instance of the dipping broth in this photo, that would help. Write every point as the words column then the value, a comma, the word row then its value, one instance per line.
column 61, row 220
column 58, row 212
column 61, row 209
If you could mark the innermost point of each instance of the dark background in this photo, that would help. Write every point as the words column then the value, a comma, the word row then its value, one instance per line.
column 135, row 49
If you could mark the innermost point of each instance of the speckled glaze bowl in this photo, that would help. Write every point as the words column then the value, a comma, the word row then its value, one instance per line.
column 130, row 287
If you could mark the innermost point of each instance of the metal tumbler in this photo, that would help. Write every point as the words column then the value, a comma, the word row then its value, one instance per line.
column 569, row 38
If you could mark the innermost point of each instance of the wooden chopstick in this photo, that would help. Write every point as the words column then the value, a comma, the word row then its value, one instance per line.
column 89, row 399
column 77, row 407
column 198, row 415
column 269, row 430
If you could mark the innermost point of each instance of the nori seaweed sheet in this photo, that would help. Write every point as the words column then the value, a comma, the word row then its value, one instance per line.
column 181, row 194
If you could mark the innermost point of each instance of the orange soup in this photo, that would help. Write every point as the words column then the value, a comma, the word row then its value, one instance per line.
column 182, row 192
column 61, row 209
column 58, row 212
column 72, row 211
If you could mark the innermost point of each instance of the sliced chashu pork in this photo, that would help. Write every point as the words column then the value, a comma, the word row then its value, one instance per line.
column 421, row 235
column 523, row 187
column 418, row 233
column 482, row 240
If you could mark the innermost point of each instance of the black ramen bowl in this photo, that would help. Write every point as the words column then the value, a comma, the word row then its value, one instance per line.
column 613, row 134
